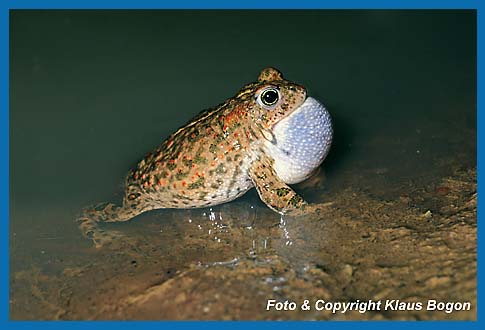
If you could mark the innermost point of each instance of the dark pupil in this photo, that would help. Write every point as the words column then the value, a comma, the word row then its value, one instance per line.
column 270, row 97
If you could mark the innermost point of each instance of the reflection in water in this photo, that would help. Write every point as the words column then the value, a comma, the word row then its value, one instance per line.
column 286, row 234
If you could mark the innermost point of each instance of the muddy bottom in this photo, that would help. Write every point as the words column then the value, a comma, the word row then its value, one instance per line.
column 228, row 261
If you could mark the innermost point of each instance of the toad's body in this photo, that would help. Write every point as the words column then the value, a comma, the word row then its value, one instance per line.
column 267, row 136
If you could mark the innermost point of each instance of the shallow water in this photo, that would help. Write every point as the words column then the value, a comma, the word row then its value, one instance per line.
column 91, row 92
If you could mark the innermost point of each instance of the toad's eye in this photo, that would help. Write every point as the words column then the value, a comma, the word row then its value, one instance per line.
column 269, row 97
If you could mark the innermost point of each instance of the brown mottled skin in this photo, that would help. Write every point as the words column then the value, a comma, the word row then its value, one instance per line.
column 213, row 159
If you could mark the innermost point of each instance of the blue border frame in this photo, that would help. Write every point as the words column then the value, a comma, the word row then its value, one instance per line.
column 6, row 5
column 242, row 4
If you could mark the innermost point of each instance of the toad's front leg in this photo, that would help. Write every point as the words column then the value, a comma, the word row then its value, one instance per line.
column 276, row 194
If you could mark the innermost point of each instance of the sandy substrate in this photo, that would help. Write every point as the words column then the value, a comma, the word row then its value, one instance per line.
column 227, row 264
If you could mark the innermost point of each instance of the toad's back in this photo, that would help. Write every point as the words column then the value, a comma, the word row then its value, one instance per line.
column 204, row 163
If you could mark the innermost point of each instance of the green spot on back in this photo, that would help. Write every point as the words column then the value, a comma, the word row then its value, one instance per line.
column 198, row 183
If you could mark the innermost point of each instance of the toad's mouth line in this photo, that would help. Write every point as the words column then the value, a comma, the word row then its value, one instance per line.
column 310, row 104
